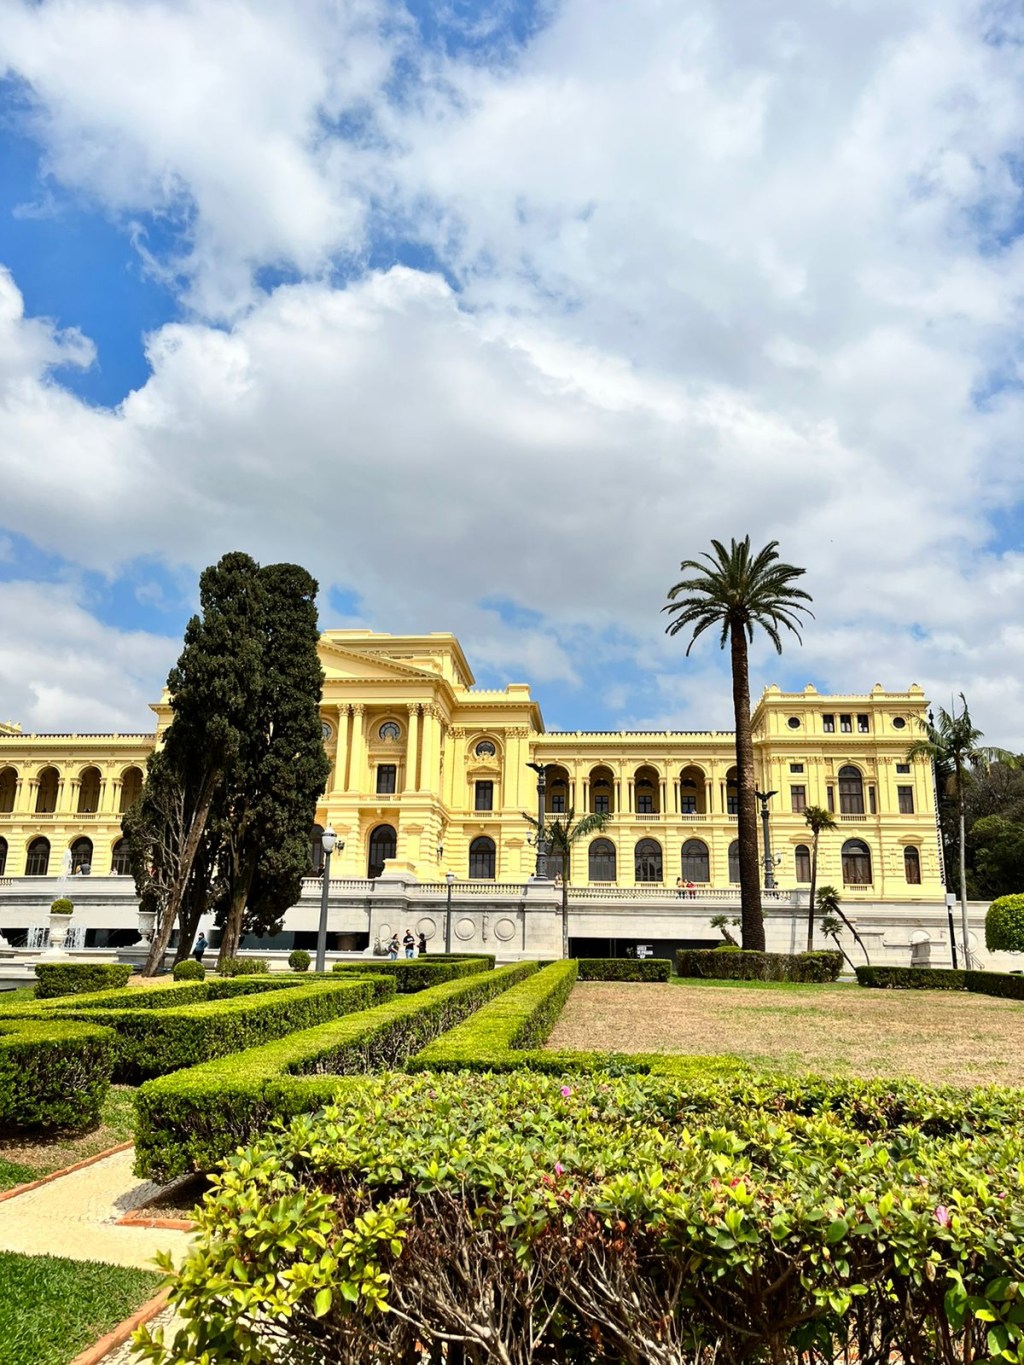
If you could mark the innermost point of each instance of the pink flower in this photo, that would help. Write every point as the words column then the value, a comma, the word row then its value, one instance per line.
column 566, row 1091
column 942, row 1216
column 559, row 1168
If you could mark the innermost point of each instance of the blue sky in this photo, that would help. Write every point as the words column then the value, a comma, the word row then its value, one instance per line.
column 491, row 313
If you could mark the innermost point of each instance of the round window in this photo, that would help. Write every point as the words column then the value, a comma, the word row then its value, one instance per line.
column 485, row 749
column 326, row 730
column 389, row 730
column 793, row 722
column 898, row 723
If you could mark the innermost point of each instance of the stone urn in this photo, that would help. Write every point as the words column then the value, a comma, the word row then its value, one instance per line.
column 147, row 921
column 60, row 920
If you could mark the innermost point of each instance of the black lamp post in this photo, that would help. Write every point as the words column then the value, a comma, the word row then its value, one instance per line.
column 450, row 879
column 328, row 839
column 541, row 871
column 769, row 862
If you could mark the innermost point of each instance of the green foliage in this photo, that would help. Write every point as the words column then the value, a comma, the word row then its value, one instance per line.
column 748, row 966
column 51, row 1308
column 244, row 966
column 72, row 978
column 1004, row 925
column 995, row 846
column 189, row 1120
column 418, row 973
column 616, row 1218
column 62, row 906
column 53, row 1074
column 727, row 948
column 624, row 969
column 912, row 978
column 1010, row 987
column 189, row 970
column 299, row 960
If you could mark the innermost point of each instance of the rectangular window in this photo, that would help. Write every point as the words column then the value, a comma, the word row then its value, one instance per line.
column 602, row 806
column 798, row 799
column 644, row 803
column 387, row 778
column 846, row 725
column 688, row 805
column 872, row 806
column 903, row 768
column 803, row 863
column 862, row 725
column 905, row 796
column 484, row 796
column 832, row 799
column 796, row 767
column 828, row 724
column 732, row 805
column 558, row 804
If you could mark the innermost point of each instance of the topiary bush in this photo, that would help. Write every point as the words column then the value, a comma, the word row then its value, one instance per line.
column 244, row 966
column 1004, row 925
column 72, row 978
column 912, row 978
column 624, row 969
column 62, row 906
column 744, row 965
column 299, row 960
column 189, row 970
column 53, row 1074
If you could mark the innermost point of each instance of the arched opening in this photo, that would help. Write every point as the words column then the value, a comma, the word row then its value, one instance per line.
column 856, row 863
column 601, row 861
column 802, row 857
column 734, row 862
column 8, row 790
column 120, row 863
column 602, row 791
column 316, row 851
column 692, row 788
column 89, row 792
column 81, row 856
column 851, row 791
column 131, row 787
column 732, row 792
column 647, row 861
column 482, row 859
column 647, row 791
column 557, row 791
column 37, row 862
column 46, row 791
column 383, row 845
column 912, row 866
column 3, row 855
column 696, row 862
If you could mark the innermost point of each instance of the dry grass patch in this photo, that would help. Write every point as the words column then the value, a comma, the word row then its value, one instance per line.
column 935, row 1036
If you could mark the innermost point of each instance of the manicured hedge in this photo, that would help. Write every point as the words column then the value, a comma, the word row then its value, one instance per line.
column 189, row 1120
column 71, row 978
column 419, row 973
column 750, row 966
column 53, row 1074
column 489, row 958
column 625, row 1219
column 996, row 983
column 189, row 970
column 624, row 969
column 1004, row 925
column 913, row 978
column 244, row 966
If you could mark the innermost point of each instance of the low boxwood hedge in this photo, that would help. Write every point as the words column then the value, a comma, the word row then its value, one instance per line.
column 913, row 978
column 53, row 1074
column 996, row 983
column 72, row 978
column 624, row 969
column 420, row 973
column 188, row 970
column 750, row 966
column 244, row 966
column 616, row 1219
column 189, row 1120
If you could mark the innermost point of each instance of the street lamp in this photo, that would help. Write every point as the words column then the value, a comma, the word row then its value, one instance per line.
column 328, row 839
column 450, row 879
column 541, row 871
column 769, row 861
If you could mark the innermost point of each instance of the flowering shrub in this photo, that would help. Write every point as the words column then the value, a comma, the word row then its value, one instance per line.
column 627, row 1219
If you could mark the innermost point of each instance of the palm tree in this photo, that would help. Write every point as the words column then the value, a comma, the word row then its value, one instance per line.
column 817, row 818
column 830, row 927
column 561, row 835
column 830, row 907
column 736, row 591
column 953, row 746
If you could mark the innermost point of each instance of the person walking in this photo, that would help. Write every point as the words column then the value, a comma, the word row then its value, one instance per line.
column 409, row 943
column 423, row 944
column 393, row 946
column 200, row 948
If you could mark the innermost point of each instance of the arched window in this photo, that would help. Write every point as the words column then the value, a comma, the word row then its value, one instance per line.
column 89, row 792
column 383, row 845
column 557, row 794
column 120, row 864
column 647, row 791
column 131, row 787
column 46, row 792
column 734, row 861
column 647, row 861
column 602, row 791
column 803, row 863
column 38, row 861
column 8, row 789
column 3, row 855
column 81, row 855
column 851, row 791
column 912, row 866
column 696, row 864
column 481, row 859
column 601, row 861
column 856, row 863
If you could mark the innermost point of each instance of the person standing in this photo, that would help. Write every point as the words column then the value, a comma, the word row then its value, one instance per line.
column 393, row 946
column 409, row 943
column 200, row 948
column 423, row 944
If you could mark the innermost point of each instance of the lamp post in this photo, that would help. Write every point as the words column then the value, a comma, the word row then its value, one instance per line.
column 450, row 879
column 769, row 862
column 541, row 870
column 328, row 839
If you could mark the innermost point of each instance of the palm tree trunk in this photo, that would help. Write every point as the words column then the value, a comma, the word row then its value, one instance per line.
column 750, row 880
column 964, row 926
column 814, row 886
column 842, row 915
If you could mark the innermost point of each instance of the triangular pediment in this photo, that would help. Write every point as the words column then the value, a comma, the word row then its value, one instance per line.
column 342, row 664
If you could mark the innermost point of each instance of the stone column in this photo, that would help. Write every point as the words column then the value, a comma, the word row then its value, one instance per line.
column 357, row 765
column 412, row 750
column 76, row 788
column 341, row 748
column 430, row 763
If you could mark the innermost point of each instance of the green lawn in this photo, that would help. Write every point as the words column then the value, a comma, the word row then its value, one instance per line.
column 19, row 997
column 818, row 986
column 24, row 1156
column 51, row 1308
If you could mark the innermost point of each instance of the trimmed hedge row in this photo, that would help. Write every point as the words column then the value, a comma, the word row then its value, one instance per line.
column 943, row 979
column 71, row 978
column 419, row 973
column 189, row 1120
column 624, row 969
column 53, row 1074
column 995, row 983
column 751, row 966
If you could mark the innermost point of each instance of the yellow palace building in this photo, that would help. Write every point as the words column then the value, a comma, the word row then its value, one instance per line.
column 429, row 776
